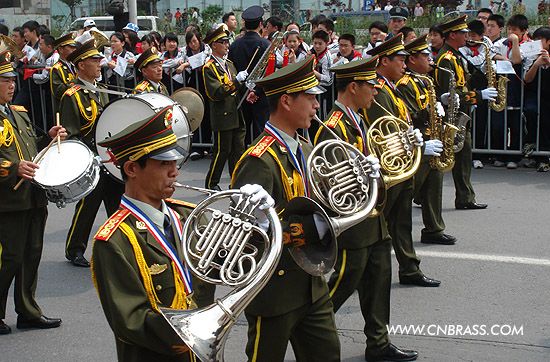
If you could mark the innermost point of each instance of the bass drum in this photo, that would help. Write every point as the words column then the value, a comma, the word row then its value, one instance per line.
column 124, row 112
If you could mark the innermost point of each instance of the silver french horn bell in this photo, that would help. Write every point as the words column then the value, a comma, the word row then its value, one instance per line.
column 225, row 248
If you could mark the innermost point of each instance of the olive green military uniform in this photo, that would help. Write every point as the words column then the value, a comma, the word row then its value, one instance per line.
column 79, row 111
column 146, row 86
column 141, row 332
column 398, row 208
column 428, row 182
column 62, row 75
column 226, row 120
column 294, row 305
column 364, row 252
column 22, row 214
column 451, row 59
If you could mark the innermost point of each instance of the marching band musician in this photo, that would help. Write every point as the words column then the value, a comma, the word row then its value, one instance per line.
column 149, row 65
column 398, row 208
column 294, row 305
column 80, row 108
column 23, row 212
column 137, row 263
column 454, row 32
column 364, row 251
column 428, row 182
column 221, row 82
column 62, row 74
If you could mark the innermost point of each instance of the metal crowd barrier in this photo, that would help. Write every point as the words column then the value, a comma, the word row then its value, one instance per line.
column 40, row 99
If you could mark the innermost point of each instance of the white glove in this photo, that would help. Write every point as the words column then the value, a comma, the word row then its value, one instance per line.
column 415, row 136
column 250, row 85
column 445, row 99
column 433, row 148
column 258, row 194
column 489, row 94
column 241, row 76
column 439, row 109
column 374, row 166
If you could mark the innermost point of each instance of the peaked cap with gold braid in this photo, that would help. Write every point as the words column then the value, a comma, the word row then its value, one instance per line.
column 419, row 45
column 67, row 39
column 147, row 57
column 6, row 69
column 393, row 46
column 221, row 33
column 361, row 69
column 85, row 51
column 153, row 138
column 296, row 77
column 458, row 24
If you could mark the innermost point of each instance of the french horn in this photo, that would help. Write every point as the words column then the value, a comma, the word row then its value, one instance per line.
column 225, row 248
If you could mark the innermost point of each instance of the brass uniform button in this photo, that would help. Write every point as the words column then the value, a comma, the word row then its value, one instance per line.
column 281, row 272
column 158, row 288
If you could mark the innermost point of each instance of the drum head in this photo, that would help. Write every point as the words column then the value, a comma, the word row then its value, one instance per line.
column 124, row 112
column 193, row 102
column 58, row 168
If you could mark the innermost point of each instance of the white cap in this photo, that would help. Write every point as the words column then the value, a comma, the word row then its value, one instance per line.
column 89, row 22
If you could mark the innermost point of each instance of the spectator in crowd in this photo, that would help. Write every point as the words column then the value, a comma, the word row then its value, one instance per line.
column 408, row 34
column 130, row 32
column 168, row 17
column 177, row 16
column 172, row 58
column 273, row 24
column 4, row 30
column 112, row 72
column 323, row 63
column 47, row 57
column 147, row 42
column 293, row 50
column 377, row 32
column 540, row 67
column 18, row 36
column 30, row 31
column 158, row 40
column 398, row 19
column 327, row 25
column 346, row 52
column 388, row 6
column 315, row 22
column 230, row 20
column 88, row 25
column 483, row 15
column 518, row 8
column 493, row 30
column 418, row 10
column 439, row 11
column 293, row 26
column 435, row 40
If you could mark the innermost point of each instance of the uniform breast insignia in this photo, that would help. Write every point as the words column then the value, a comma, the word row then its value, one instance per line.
column 5, row 164
column 109, row 227
column 4, row 172
column 262, row 146
column 140, row 225
column 71, row 91
column 17, row 108
column 334, row 119
column 282, row 148
column 381, row 83
column 156, row 269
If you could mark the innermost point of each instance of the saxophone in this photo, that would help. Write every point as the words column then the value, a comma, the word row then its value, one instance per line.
column 499, row 84
column 455, row 117
column 444, row 132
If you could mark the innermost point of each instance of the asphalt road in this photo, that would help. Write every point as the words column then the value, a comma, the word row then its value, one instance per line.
column 493, row 304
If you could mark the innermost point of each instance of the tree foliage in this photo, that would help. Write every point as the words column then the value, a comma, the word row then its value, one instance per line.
column 72, row 4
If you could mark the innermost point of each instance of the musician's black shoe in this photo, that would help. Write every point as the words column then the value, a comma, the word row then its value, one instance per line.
column 216, row 188
column 470, row 206
column 4, row 328
column 418, row 279
column 443, row 239
column 79, row 260
column 391, row 353
column 39, row 323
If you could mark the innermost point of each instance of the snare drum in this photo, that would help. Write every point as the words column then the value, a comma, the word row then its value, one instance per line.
column 124, row 112
column 69, row 175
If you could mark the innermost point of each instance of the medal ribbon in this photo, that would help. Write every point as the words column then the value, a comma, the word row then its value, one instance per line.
column 161, row 239
column 298, row 164
column 358, row 125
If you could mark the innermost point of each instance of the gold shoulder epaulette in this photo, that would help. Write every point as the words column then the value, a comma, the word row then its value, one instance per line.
column 18, row 108
column 180, row 203
column 142, row 86
column 448, row 55
column 334, row 119
column 69, row 92
column 404, row 80
column 381, row 83
column 262, row 146
column 109, row 227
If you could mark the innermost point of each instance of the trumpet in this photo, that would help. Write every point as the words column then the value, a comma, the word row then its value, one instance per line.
column 224, row 247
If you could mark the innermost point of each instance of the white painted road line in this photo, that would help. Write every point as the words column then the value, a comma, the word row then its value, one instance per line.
column 484, row 257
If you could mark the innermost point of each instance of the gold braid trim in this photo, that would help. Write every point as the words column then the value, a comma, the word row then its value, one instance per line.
column 402, row 108
column 7, row 137
column 421, row 105
column 90, row 118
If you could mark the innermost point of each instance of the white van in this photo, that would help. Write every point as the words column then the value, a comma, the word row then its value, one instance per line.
column 107, row 26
